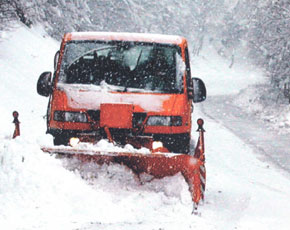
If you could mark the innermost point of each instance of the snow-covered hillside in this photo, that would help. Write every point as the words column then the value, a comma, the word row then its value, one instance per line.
column 38, row 192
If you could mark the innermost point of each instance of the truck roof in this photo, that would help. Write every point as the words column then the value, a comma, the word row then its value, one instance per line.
column 117, row 36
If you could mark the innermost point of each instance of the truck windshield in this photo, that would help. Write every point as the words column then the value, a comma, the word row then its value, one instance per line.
column 128, row 65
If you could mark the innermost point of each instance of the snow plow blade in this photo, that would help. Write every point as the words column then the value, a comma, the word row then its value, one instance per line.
column 158, row 165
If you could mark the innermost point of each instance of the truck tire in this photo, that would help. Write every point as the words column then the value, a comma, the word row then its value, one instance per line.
column 176, row 143
column 60, row 140
column 181, row 143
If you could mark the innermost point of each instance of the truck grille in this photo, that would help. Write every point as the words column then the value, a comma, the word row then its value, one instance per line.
column 137, row 118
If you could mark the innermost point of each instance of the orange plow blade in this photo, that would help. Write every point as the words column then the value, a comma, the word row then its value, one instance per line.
column 158, row 165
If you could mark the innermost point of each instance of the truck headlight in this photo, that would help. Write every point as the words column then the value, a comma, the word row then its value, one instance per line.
column 74, row 141
column 157, row 144
column 70, row 116
column 164, row 121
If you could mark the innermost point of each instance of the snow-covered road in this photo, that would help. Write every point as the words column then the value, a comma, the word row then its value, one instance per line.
column 269, row 145
column 242, row 190
column 245, row 190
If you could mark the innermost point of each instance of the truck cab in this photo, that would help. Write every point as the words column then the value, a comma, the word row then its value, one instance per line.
column 135, row 85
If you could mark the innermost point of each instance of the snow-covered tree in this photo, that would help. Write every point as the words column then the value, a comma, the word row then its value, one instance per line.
column 270, row 40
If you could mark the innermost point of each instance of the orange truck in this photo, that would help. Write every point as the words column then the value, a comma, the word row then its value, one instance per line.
column 127, row 87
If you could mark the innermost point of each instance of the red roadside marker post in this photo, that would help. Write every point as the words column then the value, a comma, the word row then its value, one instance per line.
column 17, row 124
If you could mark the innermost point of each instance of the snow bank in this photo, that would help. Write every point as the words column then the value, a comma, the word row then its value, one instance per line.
column 267, row 104
column 37, row 192
column 25, row 54
column 33, row 194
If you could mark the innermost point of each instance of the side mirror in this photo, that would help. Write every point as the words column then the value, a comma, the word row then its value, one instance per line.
column 44, row 85
column 198, row 91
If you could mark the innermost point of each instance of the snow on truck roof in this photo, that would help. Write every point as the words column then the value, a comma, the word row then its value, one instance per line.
column 117, row 36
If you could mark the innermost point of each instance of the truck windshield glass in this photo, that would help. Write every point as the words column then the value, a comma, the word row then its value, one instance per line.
column 131, row 65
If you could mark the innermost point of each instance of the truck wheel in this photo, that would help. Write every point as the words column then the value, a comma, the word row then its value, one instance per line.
column 60, row 140
column 182, row 144
column 177, row 143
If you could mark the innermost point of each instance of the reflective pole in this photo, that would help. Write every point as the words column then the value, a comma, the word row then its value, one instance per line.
column 17, row 124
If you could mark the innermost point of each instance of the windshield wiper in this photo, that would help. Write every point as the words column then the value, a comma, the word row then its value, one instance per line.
column 138, row 60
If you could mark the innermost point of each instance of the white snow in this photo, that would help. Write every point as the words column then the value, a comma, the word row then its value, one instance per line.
column 219, row 78
column 248, row 84
column 78, row 96
column 149, row 37
column 103, row 147
column 268, row 105
column 38, row 191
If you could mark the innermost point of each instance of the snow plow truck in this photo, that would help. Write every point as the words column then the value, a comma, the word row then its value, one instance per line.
column 127, row 88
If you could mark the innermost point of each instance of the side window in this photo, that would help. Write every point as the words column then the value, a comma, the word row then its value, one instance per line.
column 188, row 73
